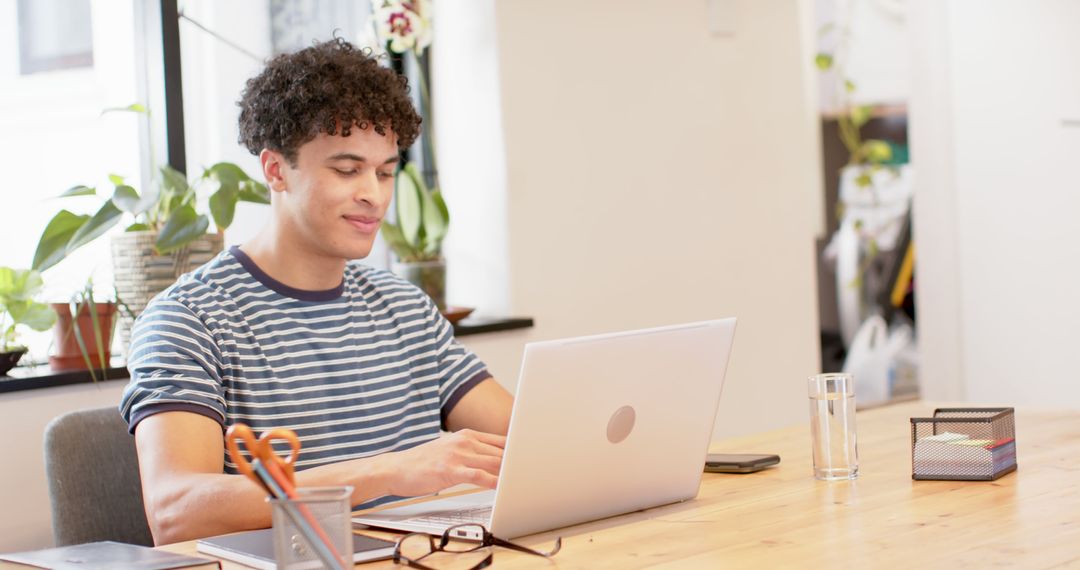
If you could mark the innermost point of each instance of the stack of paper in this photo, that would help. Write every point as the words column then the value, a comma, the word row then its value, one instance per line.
column 953, row 455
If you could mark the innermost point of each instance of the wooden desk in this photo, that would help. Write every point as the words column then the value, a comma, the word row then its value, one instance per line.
column 783, row 518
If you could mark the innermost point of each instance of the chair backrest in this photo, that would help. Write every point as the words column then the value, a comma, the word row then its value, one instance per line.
column 94, row 485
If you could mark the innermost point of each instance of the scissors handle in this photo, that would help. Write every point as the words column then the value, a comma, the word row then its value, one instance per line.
column 267, row 454
column 262, row 449
column 241, row 432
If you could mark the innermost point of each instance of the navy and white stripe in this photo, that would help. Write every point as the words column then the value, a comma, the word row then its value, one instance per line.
column 364, row 368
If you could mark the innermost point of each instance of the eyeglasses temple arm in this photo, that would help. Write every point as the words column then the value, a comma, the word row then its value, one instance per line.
column 507, row 544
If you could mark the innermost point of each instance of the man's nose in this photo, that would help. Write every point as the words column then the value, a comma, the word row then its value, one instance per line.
column 367, row 188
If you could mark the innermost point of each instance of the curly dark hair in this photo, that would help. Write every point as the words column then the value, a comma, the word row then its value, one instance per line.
column 327, row 87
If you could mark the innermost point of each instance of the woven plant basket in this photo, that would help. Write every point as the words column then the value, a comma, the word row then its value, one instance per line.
column 139, row 273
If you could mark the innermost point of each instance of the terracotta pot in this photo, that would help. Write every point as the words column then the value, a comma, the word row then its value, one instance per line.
column 68, row 356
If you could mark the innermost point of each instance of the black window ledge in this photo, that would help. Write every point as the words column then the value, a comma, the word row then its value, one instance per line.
column 41, row 376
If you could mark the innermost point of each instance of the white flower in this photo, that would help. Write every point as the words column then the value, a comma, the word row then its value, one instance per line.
column 404, row 24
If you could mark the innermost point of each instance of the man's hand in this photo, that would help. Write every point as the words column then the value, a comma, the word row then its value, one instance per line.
column 465, row 456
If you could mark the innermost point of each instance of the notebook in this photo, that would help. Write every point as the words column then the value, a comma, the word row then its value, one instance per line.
column 255, row 548
column 602, row 425
column 106, row 556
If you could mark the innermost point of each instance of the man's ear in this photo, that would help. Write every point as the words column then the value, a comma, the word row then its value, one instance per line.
column 274, row 165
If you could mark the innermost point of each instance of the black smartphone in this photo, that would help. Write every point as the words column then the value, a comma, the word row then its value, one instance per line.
column 739, row 463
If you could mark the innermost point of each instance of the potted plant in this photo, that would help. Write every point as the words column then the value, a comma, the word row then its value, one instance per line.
column 422, row 219
column 18, row 308
column 165, row 233
column 416, row 239
column 875, row 193
column 83, row 333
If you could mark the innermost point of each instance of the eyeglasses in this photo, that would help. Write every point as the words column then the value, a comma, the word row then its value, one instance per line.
column 412, row 548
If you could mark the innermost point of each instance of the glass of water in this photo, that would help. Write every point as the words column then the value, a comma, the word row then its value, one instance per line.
column 832, row 426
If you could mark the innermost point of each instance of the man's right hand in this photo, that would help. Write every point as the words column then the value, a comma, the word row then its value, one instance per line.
column 465, row 456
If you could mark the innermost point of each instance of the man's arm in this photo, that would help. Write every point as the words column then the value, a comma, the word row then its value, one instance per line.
column 485, row 408
column 187, row 495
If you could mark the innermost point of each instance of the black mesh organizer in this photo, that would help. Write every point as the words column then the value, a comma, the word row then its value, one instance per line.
column 964, row 444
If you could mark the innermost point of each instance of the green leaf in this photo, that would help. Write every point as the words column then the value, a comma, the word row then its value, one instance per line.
column 849, row 86
column 877, row 150
column 9, row 284
column 52, row 246
column 116, row 179
column 824, row 61
column 183, row 227
column 226, row 172
column 38, row 316
column 434, row 224
column 860, row 114
column 19, row 284
column 173, row 181
column 132, row 108
column 417, row 177
column 137, row 227
column 127, row 199
column 394, row 238
column 77, row 331
column 223, row 205
column 79, row 190
column 256, row 192
column 441, row 204
column 223, row 202
column 407, row 201
column 863, row 180
column 105, row 218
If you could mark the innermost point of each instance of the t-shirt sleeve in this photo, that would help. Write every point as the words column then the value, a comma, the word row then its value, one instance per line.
column 174, row 364
column 460, row 370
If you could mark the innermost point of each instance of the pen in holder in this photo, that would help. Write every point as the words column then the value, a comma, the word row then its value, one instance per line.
column 323, row 508
column 964, row 444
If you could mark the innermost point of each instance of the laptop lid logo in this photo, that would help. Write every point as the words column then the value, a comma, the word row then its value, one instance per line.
column 621, row 424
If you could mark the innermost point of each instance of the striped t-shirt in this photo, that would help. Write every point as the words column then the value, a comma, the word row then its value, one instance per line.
column 365, row 368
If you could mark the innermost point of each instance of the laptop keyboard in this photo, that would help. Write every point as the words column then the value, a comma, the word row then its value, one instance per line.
column 478, row 515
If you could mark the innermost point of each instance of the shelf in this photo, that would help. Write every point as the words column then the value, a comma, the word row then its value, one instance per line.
column 477, row 325
column 41, row 376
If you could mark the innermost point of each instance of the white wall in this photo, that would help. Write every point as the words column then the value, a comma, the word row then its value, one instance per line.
column 658, row 177
column 26, row 522
column 995, row 86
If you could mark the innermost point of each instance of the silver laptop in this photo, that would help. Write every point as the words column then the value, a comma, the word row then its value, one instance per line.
column 602, row 425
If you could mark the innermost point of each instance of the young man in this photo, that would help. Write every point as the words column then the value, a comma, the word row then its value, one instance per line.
column 284, row 332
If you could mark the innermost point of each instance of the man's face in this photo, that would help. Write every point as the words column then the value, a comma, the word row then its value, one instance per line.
column 338, row 192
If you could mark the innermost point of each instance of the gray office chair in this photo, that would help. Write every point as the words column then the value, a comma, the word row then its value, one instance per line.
column 94, row 479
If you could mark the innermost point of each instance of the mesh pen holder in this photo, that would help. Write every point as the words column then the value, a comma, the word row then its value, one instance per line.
column 964, row 444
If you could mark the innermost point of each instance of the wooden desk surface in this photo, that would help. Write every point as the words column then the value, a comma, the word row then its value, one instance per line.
column 783, row 517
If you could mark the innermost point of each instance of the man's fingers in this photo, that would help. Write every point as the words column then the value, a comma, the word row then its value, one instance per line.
column 486, row 449
column 488, row 438
column 486, row 462
column 478, row 477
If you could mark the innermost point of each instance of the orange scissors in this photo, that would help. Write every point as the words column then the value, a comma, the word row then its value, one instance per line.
column 280, row 481
column 263, row 450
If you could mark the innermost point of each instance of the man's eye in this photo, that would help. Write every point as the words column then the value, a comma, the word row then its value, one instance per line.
column 345, row 172
column 386, row 175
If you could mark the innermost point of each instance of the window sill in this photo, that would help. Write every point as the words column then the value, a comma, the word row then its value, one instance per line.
column 41, row 376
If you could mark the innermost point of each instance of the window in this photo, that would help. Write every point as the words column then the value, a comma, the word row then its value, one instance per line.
column 54, row 35
column 52, row 130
